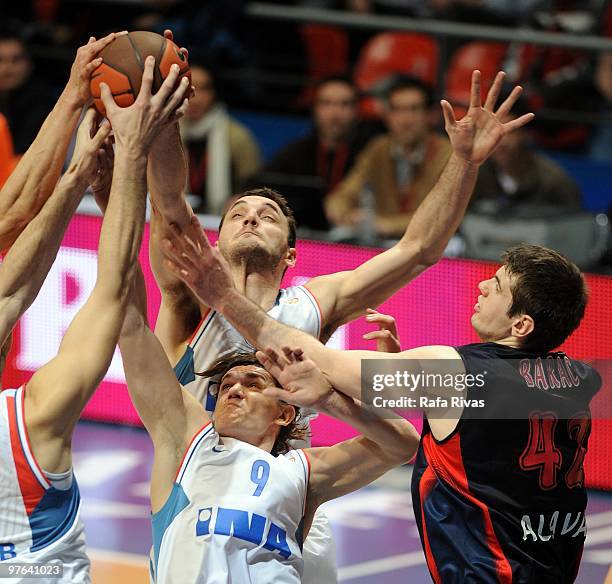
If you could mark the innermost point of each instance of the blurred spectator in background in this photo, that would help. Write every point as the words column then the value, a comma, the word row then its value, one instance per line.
column 601, row 140
column 398, row 168
column 582, row 91
column 7, row 157
column 517, row 175
column 24, row 101
column 312, row 166
column 222, row 153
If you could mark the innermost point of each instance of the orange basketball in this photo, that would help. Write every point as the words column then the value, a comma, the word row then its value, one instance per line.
column 124, row 63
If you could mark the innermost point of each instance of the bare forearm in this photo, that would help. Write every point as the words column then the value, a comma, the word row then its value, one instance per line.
column 397, row 437
column 136, row 314
column 167, row 177
column 168, row 283
column 343, row 368
column 263, row 331
column 28, row 262
column 36, row 175
column 151, row 382
column 440, row 214
column 121, row 233
column 132, row 339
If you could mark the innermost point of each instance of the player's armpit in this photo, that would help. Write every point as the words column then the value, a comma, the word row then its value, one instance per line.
column 176, row 324
column 344, row 296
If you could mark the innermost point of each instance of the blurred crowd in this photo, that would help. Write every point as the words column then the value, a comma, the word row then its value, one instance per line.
column 376, row 146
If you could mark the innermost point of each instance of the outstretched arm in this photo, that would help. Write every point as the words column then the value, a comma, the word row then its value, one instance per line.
column 35, row 177
column 58, row 392
column 170, row 414
column 179, row 312
column 345, row 295
column 153, row 388
column 27, row 264
column 206, row 272
column 157, row 395
column 167, row 173
column 385, row 442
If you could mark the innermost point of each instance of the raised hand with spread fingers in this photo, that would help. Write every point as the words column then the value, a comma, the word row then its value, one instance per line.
column 477, row 134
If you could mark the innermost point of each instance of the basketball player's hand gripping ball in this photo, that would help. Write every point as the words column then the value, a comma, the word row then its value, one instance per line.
column 123, row 65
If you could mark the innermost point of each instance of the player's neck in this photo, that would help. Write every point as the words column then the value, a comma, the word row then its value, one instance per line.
column 507, row 341
column 260, row 287
column 265, row 442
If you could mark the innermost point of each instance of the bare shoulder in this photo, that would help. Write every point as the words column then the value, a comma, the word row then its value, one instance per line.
column 431, row 352
column 324, row 284
column 436, row 359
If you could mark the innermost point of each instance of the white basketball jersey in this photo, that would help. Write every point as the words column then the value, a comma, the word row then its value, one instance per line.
column 215, row 337
column 234, row 515
column 38, row 522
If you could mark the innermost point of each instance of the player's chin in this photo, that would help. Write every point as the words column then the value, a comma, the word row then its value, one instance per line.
column 252, row 247
column 229, row 411
column 227, row 421
column 247, row 243
column 475, row 320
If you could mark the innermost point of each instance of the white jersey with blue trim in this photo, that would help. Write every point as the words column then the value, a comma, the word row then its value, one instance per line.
column 38, row 522
column 235, row 514
column 215, row 337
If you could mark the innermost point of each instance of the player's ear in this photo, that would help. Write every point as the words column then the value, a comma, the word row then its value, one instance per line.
column 291, row 257
column 522, row 326
column 286, row 414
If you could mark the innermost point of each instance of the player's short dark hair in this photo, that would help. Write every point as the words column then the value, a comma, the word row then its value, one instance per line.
column 549, row 288
column 403, row 82
column 296, row 430
column 338, row 78
column 271, row 194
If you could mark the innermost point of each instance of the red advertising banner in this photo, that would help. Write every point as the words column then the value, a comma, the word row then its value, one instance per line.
column 434, row 309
